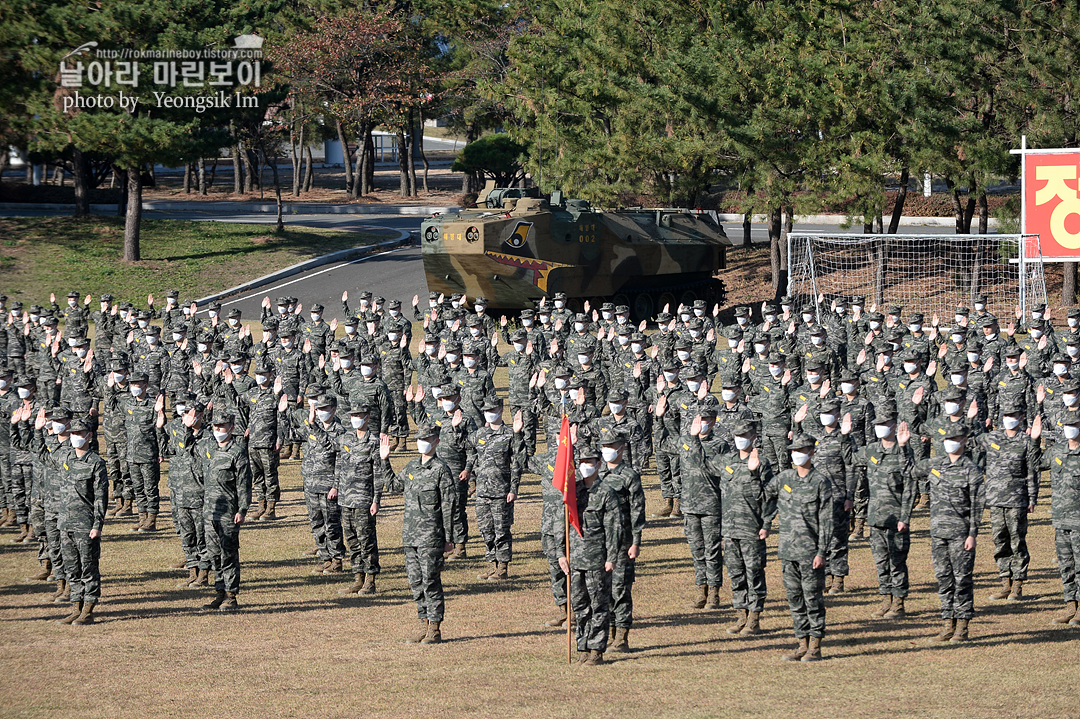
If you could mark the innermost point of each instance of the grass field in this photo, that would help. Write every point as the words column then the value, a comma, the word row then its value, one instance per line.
column 296, row 649
column 57, row 254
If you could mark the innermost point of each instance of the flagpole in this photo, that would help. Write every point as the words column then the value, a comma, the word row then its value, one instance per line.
column 566, row 521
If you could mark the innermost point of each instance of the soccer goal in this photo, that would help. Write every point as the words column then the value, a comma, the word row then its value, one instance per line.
column 931, row 274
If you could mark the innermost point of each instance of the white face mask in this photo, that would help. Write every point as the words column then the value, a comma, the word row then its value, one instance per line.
column 448, row 405
column 474, row 331
column 606, row 315
column 770, row 318
column 817, row 340
column 4, row 384
column 436, row 393
column 732, row 344
column 1071, row 432
column 350, row 329
column 213, row 314
column 358, row 421
column 684, row 317
column 151, row 340
column 584, row 360
column 800, row 459
column 1010, row 422
column 430, row 350
column 706, row 426
column 616, row 407
column 670, row 376
column 527, row 323
column 469, row 362
column 1069, row 400
column 180, row 409
column 979, row 307
column 560, row 383
column 237, row 368
column 698, row 312
column 952, row 408
column 911, row 367
column 827, row 420
column 693, row 385
column 728, row 395
column 142, row 324
column 492, row 417
column 696, row 333
column 71, row 303
column 573, row 394
column 785, row 308
column 35, row 318
column 683, row 355
column 759, row 348
column 287, row 344
column 559, row 304
column 637, row 348
column 315, row 317
column 847, row 388
column 78, row 441
column 1061, row 370
column 609, row 454
column 776, row 371
column 587, row 469
column 957, row 379
column 261, row 379
column 915, row 328
column 177, row 337
column 743, row 443
column 136, row 391
column 519, row 346
column 1012, row 364
column 1072, row 350
column 807, row 317
column 80, row 353
column 579, row 327
column 367, row 370
column 1036, row 334
column 813, row 377
column 973, row 357
column 883, row 431
column 170, row 301
column 201, row 347
column 392, row 336
column 960, row 319
column 957, row 338
column 221, row 435
column 282, row 309
column 187, row 311
column 1073, row 321
column 424, row 447
column 451, row 357
column 952, row 446
column 324, row 415
column 875, row 325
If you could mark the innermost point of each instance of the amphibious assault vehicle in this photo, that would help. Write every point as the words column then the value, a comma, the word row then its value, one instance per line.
column 516, row 246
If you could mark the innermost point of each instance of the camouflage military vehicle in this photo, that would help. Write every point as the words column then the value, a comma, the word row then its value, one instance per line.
column 516, row 247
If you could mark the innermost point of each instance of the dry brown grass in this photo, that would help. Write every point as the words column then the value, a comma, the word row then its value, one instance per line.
column 296, row 649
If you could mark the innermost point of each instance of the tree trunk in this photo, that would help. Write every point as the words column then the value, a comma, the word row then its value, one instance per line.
column 202, row 176
column 249, row 170
column 747, row 238
column 369, row 159
column 901, row 198
column 297, row 145
column 868, row 225
column 309, row 172
column 879, row 274
column 470, row 183
column 187, row 178
column 879, row 223
column 213, row 174
column 82, row 182
column 360, row 187
column 345, row 158
column 238, row 171
column 420, row 149
column 1068, row 285
column 120, row 178
column 133, row 215
column 280, row 227
column 403, row 167
column 775, row 228
column 976, row 269
column 984, row 214
column 789, row 220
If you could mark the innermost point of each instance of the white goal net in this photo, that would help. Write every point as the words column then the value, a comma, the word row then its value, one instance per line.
column 931, row 274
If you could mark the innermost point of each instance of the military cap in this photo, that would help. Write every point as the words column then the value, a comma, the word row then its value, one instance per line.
column 60, row 412
column 761, row 338
column 427, row 430
column 1070, row 386
column 682, row 344
column 394, row 305
column 743, row 426
column 910, row 355
column 107, row 297
column 622, row 310
column 431, row 338
column 625, row 330
column 433, row 295
column 293, row 300
column 874, row 317
column 700, row 304
column 447, row 388
column 561, row 370
column 607, row 307
column 740, row 311
column 841, row 301
column 205, row 338
column 663, row 318
column 327, row 400
column 955, row 429
column 527, row 314
column 972, row 345
column 222, row 418
column 286, row 331
column 636, row 336
column 618, row 394
column 693, row 370
column 118, row 364
column 179, row 327
column 895, row 336
column 1039, row 307
column 139, row 377
column 708, row 406
column 153, row 330
column 771, row 309
column 35, row 309
column 558, row 296
column 234, row 314
column 317, row 307
column 777, row 358
column 817, row 330
column 469, row 350
column 1073, row 312
column 473, row 321
column 610, row 434
column 802, row 441
column 1010, row 405
column 1059, row 358
column 25, row 381
column 962, row 310
column 885, row 411
column 586, row 347
column 981, row 299
column 814, row 364
column 184, row 397
column 343, row 348
column 215, row 306
column 695, row 323
column 519, row 335
column 480, row 301
column 270, row 324
column 74, row 294
column 585, row 450
column 360, row 408
column 989, row 321
column 952, row 394
column 80, row 341
column 915, row 318
column 786, row 300
column 575, row 383
column 670, row 366
column 282, row 300
column 830, row 406
column 313, row 391
column 50, row 321
column 1037, row 324
column 237, row 358
column 81, row 424
column 730, row 380
column 1070, row 418
column 1013, row 350
column 492, row 404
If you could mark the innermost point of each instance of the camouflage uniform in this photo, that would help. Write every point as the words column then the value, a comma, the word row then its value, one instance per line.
column 84, row 497
column 359, row 476
column 141, row 450
column 1064, row 465
column 113, row 423
column 749, row 505
column 1012, row 484
column 430, row 500
column 266, row 434
column 890, row 501
column 701, row 506
column 551, row 520
column 772, row 405
column 955, row 511
column 226, row 480
column 520, row 368
column 833, row 456
column 627, row 485
column 181, row 445
column 599, row 544
column 805, row 510
column 317, row 469
column 497, row 473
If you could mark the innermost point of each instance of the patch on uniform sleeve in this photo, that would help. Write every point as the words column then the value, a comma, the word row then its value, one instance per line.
column 550, row 468
column 1057, row 459
column 935, row 472
column 311, row 436
column 995, row 446
column 787, row 489
column 730, row 470
column 208, row 454
column 347, row 448
column 874, row 379
column 802, row 397
column 766, row 388
column 410, row 475
column 874, row 460
column 1002, row 384
column 65, row 466
column 686, row 446
column 941, row 431
column 130, row 412
column 181, row 445
column 481, row 441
